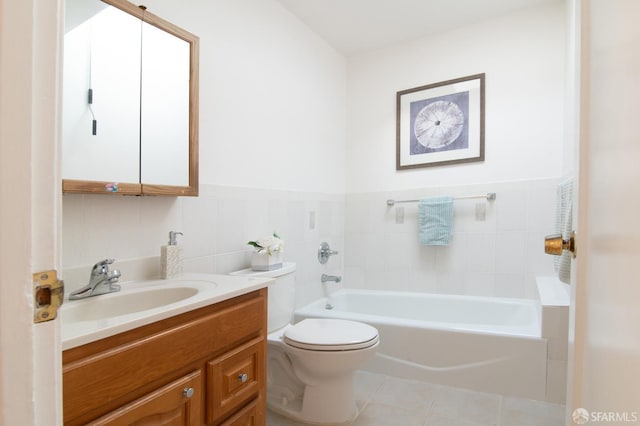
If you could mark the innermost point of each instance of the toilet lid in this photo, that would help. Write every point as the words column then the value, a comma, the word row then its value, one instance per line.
column 324, row 334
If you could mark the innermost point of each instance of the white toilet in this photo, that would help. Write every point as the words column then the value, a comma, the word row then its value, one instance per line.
column 310, row 365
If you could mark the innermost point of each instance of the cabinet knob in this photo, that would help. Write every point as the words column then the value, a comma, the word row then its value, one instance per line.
column 243, row 377
column 188, row 392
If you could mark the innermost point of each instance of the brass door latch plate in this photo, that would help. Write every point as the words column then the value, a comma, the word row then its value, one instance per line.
column 48, row 294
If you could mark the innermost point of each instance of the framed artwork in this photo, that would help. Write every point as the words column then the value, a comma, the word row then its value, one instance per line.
column 440, row 123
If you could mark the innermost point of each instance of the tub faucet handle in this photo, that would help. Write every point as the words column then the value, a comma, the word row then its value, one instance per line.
column 324, row 252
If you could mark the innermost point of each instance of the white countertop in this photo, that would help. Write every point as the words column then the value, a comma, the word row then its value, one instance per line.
column 208, row 289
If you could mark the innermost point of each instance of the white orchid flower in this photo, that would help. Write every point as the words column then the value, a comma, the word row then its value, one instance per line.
column 271, row 245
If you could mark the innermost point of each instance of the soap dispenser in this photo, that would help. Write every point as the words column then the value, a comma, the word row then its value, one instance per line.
column 171, row 257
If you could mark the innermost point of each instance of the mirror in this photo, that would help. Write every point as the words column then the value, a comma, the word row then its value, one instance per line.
column 130, row 102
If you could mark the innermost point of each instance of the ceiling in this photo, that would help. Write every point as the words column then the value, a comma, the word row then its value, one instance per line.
column 356, row 26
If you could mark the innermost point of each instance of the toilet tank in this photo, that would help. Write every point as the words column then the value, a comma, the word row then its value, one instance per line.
column 281, row 299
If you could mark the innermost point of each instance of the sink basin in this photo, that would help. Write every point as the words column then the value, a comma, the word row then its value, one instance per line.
column 126, row 302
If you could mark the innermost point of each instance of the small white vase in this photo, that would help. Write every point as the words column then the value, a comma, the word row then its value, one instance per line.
column 261, row 261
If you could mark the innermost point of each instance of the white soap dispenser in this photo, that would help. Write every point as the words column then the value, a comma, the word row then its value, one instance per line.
column 171, row 257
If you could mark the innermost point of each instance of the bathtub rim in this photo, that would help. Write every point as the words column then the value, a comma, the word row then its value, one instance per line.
column 533, row 331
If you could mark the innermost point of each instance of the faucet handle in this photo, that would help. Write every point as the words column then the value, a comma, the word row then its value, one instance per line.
column 102, row 266
column 324, row 252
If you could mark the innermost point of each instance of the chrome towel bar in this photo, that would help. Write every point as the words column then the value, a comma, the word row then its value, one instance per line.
column 490, row 196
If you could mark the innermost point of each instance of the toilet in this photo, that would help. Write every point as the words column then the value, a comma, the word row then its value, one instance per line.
column 310, row 364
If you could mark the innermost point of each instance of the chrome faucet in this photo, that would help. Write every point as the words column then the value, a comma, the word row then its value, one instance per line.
column 101, row 281
column 335, row 278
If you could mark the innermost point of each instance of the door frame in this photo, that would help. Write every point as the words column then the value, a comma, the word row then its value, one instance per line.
column 30, row 218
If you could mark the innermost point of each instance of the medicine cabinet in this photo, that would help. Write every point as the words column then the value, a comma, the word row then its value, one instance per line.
column 130, row 102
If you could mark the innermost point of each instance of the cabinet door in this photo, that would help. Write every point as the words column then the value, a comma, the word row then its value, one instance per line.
column 176, row 404
column 251, row 415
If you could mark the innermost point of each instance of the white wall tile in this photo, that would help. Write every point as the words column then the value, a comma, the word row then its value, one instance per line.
column 510, row 252
column 454, row 256
column 538, row 261
column 231, row 232
column 158, row 216
column 203, row 265
column 200, row 227
column 422, row 278
column 356, row 249
column 499, row 257
column 230, row 262
column 481, row 249
column 451, row 283
column 510, row 285
column 504, row 251
column 480, row 284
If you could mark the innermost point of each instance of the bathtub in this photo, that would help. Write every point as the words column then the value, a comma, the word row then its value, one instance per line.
column 479, row 343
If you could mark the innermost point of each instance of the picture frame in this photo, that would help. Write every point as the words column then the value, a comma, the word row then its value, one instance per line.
column 440, row 123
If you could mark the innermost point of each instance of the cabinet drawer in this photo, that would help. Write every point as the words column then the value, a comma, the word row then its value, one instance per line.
column 177, row 403
column 234, row 378
column 250, row 415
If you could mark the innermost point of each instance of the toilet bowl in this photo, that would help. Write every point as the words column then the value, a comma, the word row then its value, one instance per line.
column 310, row 364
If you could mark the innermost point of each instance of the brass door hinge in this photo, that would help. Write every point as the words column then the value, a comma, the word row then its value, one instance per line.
column 48, row 293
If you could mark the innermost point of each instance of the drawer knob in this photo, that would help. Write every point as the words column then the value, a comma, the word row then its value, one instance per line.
column 188, row 392
column 243, row 377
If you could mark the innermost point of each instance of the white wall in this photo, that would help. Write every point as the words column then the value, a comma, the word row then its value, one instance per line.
column 522, row 55
column 272, row 96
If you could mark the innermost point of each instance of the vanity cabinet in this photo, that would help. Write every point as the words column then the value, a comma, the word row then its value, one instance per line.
column 206, row 366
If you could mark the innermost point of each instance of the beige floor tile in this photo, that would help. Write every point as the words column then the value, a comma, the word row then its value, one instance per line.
column 366, row 385
column 376, row 414
column 466, row 406
column 389, row 401
column 523, row 412
column 408, row 394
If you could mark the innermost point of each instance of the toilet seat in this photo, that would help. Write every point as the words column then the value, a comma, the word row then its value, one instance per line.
column 324, row 334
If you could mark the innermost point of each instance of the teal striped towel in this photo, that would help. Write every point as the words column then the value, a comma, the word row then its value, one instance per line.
column 435, row 217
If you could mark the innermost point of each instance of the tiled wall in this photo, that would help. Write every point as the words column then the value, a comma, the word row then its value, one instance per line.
column 499, row 256
column 216, row 227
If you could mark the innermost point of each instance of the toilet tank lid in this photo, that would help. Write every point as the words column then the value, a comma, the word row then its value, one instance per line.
column 287, row 268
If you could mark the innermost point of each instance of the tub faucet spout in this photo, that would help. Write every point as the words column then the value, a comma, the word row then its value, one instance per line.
column 335, row 278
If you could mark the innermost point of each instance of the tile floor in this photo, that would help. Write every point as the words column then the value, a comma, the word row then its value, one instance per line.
column 389, row 401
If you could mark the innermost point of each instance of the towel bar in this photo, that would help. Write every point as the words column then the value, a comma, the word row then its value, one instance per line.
column 489, row 196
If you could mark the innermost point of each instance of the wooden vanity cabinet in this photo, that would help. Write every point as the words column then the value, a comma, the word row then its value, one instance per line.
column 207, row 366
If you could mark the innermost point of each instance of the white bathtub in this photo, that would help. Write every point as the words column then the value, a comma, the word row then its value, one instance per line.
column 486, row 344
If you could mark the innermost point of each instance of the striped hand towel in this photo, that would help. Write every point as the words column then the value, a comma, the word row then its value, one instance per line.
column 564, row 226
column 435, row 216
